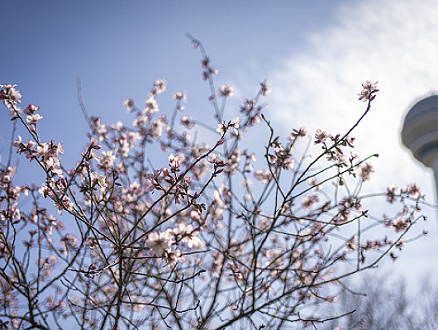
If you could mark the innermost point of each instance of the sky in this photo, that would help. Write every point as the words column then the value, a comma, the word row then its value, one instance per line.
column 315, row 55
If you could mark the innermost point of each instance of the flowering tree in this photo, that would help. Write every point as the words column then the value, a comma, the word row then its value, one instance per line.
column 187, row 241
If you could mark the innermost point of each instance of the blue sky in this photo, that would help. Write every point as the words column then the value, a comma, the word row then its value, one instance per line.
column 119, row 48
column 315, row 55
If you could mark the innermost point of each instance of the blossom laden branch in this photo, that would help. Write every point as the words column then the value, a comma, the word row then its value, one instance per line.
column 159, row 222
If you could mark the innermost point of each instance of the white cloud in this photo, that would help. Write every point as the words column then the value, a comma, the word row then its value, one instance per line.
column 392, row 41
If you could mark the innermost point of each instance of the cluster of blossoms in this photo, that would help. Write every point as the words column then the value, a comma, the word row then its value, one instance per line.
column 282, row 157
column 368, row 93
column 160, row 243
column 47, row 155
column 208, row 70
column 10, row 97
column 222, row 128
column 225, row 90
column 158, row 221
column 33, row 117
column 334, row 151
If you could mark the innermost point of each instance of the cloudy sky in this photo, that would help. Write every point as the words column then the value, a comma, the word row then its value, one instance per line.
column 315, row 55
column 393, row 42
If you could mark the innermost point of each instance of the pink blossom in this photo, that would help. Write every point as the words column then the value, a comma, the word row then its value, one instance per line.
column 235, row 125
column 412, row 189
column 321, row 136
column 366, row 170
column 188, row 235
column 128, row 104
column 98, row 179
column 107, row 160
column 309, row 201
column 10, row 95
column 301, row 132
column 225, row 90
column 33, row 119
column 174, row 163
column 151, row 106
column 180, row 96
column 264, row 88
column 160, row 86
column 222, row 128
column 368, row 91
column 263, row 176
column 186, row 121
column 157, row 129
column 391, row 195
column 30, row 110
column 159, row 243
column 214, row 158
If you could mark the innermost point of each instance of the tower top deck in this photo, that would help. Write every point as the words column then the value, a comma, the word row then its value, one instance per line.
column 420, row 130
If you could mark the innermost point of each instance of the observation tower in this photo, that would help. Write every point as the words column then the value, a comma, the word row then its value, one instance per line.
column 420, row 132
